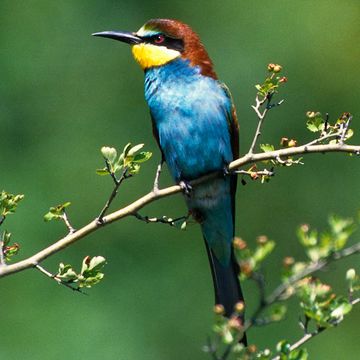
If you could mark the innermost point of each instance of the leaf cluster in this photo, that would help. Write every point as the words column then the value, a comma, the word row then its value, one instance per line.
column 317, row 123
column 90, row 274
column 128, row 161
column 8, row 250
column 320, row 307
column 250, row 260
column 9, row 202
column 56, row 212
column 272, row 82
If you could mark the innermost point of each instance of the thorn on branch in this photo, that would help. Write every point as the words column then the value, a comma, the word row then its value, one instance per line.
column 164, row 220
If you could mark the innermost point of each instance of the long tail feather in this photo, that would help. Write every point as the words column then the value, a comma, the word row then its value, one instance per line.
column 226, row 284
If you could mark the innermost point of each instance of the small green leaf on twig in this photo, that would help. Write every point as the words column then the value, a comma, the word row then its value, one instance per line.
column 251, row 260
column 315, row 121
column 57, row 212
column 9, row 202
column 128, row 161
column 66, row 273
column 267, row 147
column 272, row 82
column 90, row 272
column 319, row 246
column 109, row 153
column 8, row 250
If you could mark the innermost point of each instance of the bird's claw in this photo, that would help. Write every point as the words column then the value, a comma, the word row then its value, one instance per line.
column 186, row 187
column 226, row 171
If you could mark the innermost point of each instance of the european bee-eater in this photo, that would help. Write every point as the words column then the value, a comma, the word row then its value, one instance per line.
column 194, row 122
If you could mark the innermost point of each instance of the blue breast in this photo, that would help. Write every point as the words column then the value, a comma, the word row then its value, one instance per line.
column 190, row 112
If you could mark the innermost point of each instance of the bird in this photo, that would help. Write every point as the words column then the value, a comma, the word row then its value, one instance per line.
column 195, row 124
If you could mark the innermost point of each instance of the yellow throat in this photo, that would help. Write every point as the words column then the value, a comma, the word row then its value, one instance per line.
column 148, row 55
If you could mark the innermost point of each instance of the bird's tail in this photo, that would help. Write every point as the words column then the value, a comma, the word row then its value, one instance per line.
column 226, row 284
column 212, row 204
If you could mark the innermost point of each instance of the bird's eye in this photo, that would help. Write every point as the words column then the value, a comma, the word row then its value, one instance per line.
column 159, row 39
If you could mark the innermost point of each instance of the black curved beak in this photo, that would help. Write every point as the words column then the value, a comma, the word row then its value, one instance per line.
column 124, row 36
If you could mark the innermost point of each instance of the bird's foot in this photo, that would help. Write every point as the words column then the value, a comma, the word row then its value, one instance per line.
column 186, row 187
column 226, row 171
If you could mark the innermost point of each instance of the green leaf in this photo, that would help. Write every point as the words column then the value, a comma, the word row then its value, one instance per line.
column 8, row 250
column 57, row 212
column 91, row 271
column 315, row 122
column 102, row 172
column 142, row 157
column 9, row 202
column 267, row 147
column 341, row 310
column 283, row 347
column 66, row 273
column 134, row 168
column 6, row 236
column 278, row 312
column 263, row 251
column 298, row 354
column 126, row 150
column 50, row 216
column 134, row 149
column 349, row 134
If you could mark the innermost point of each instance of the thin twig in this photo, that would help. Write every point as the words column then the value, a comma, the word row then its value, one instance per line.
column 277, row 294
column 323, row 138
column 163, row 220
column 261, row 115
column 157, row 176
column 113, row 194
column 250, row 173
column 2, row 255
column 344, row 129
column 260, row 281
column 307, row 336
column 2, row 219
column 134, row 207
column 59, row 281
column 67, row 223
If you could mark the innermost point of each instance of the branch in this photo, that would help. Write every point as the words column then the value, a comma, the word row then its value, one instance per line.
column 261, row 116
column 311, row 268
column 152, row 196
column 278, row 292
column 67, row 223
column 2, row 255
column 307, row 336
column 113, row 194
column 59, row 281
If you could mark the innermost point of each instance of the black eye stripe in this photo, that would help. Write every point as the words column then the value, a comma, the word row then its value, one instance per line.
column 169, row 42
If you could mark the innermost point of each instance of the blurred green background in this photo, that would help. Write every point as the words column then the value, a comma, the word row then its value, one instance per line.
column 64, row 94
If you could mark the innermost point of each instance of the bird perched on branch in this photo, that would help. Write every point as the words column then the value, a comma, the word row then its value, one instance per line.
column 194, row 122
